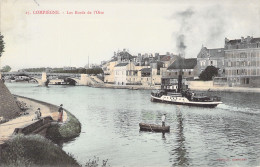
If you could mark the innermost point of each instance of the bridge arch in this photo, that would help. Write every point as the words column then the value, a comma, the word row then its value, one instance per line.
column 72, row 81
column 36, row 79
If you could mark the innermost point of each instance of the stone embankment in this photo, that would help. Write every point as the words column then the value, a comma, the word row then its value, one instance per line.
column 132, row 87
column 193, row 85
column 209, row 86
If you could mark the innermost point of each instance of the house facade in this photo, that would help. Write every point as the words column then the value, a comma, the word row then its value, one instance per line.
column 120, row 74
column 188, row 68
column 109, row 74
column 211, row 57
column 242, row 62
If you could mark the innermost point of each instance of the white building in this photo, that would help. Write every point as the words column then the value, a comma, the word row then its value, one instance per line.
column 120, row 73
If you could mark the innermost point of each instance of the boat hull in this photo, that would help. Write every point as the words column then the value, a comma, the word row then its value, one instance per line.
column 188, row 103
column 153, row 128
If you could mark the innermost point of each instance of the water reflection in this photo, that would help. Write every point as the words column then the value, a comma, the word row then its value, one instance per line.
column 180, row 151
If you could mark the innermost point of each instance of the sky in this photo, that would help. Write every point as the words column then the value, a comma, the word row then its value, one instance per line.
column 176, row 26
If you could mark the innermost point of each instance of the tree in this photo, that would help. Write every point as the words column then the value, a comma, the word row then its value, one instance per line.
column 2, row 44
column 208, row 73
column 6, row 68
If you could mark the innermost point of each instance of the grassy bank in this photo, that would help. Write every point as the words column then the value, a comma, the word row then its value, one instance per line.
column 67, row 131
column 34, row 150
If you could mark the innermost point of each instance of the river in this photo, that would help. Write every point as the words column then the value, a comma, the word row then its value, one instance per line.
column 228, row 135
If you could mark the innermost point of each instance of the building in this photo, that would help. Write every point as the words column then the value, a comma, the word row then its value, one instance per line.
column 144, row 69
column 242, row 62
column 120, row 73
column 67, row 68
column 108, row 68
column 132, row 74
column 188, row 67
column 211, row 57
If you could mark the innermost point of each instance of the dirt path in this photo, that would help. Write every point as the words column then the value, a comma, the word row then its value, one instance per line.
column 7, row 129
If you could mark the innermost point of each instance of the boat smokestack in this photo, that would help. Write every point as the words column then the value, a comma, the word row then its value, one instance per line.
column 181, row 65
column 180, row 82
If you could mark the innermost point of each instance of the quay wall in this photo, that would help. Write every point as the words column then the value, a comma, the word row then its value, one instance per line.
column 133, row 87
column 200, row 84
column 193, row 85
column 208, row 85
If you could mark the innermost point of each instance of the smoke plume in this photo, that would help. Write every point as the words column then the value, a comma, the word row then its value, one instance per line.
column 184, row 17
column 199, row 27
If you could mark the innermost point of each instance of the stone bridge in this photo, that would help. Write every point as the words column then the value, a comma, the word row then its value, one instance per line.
column 42, row 78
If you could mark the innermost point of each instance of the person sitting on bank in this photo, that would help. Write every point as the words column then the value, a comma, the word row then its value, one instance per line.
column 60, row 119
column 163, row 120
column 38, row 114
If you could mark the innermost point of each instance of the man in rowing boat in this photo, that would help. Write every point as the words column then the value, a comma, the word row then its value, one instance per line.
column 163, row 120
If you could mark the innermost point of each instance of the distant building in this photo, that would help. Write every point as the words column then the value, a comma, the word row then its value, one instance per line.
column 90, row 66
column 125, row 56
column 242, row 62
column 69, row 68
column 211, row 57
column 188, row 68
column 120, row 73
column 108, row 68
column 143, row 69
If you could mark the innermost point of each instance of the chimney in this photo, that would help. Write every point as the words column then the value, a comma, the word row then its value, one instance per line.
column 226, row 40
column 248, row 39
column 242, row 39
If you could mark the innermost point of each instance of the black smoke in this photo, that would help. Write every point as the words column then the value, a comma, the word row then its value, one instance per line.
column 183, row 17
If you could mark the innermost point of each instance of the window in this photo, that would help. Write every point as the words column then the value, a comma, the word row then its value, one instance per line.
column 253, row 71
column 247, row 80
column 243, row 55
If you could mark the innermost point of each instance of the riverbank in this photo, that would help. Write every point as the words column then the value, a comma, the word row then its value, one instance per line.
column 199, row 87
column 70, row 128
column 132, row 87
column 227, row 89
column 32, row 150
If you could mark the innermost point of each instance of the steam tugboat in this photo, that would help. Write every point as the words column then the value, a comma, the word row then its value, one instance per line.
column 180, row 94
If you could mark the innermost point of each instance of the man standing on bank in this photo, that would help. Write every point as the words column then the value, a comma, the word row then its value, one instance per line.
column 38, row 114
column 60, row 113
column 163, row 120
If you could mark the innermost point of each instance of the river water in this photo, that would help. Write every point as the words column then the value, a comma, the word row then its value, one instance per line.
column 228, row 135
